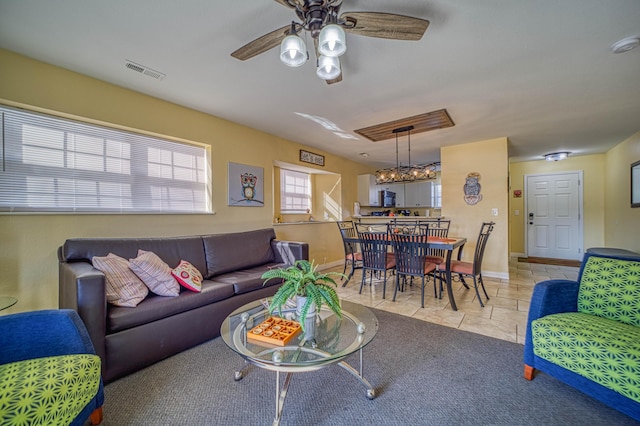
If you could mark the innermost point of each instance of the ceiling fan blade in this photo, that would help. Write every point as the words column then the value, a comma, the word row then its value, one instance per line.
column 262, row 44
column 384, row 25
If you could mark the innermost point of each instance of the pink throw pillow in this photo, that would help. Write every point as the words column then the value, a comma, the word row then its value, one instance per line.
column 188, row 276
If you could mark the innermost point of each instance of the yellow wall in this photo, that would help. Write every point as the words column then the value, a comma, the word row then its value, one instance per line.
column 490, row 159
column 28, row 243
column 622, row 225
column 593, row 189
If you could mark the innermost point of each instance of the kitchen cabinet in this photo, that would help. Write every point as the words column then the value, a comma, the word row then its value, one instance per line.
column 418, row 194
column 368, row 191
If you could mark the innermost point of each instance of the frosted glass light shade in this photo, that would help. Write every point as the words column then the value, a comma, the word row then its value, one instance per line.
column 328, row 67
column 293, row 51
column 332, row 41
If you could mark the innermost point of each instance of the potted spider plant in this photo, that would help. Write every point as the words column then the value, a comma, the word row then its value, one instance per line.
column 310, row 288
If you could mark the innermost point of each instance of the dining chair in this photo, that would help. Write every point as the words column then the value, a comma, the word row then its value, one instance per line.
column 376, row 258
column 410, row 251
column 352, row 253
column 473, row 269
column 438, row 228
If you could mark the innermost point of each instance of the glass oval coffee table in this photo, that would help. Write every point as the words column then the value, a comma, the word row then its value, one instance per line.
column 328, row 340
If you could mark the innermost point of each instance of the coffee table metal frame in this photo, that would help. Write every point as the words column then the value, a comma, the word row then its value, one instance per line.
column 239, row 344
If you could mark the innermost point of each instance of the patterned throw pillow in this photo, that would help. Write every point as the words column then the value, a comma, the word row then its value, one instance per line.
column 610, row 288
column 124, row 288
column 188, row 276
column 154, row 273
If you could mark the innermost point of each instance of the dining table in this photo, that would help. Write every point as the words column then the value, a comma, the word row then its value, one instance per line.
column 448, row 244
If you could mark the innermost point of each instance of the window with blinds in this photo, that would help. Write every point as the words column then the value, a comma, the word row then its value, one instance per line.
column 295, row 192
column 51, row 164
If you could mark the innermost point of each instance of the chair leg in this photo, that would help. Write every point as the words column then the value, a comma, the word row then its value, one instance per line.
column 96, row 417
column 422, row 291
column 464, row 283
column 482, row 284
column 364, row 278
column 384, row 284
column 395, row 290
column 475, row 286
column 529, row 372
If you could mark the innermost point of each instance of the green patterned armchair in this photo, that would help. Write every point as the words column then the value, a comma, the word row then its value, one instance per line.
column 586, row 333
column 49, row 372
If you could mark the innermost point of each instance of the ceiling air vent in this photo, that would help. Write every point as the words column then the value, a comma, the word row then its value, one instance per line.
column 144, row 70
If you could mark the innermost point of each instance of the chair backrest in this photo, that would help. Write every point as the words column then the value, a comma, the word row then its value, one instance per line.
column 406, row 227
column 374, row 246
column 410, row 251
column 485, row 231
column 438, row 228
column 348, row 233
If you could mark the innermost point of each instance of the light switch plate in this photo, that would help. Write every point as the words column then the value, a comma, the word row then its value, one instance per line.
column 494, row 212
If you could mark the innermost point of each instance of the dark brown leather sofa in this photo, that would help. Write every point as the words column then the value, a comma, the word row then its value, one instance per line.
column 129, row 339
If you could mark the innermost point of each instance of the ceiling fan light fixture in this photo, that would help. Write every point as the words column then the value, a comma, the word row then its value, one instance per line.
column 293, row 51
column 332, row 41
column 328, row 67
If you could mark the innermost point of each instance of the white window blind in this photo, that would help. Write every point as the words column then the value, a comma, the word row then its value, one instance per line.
column 50, row 164
column 295, row 192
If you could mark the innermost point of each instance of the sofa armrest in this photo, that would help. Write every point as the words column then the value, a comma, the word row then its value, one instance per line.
column 289, row 251
column 39, row 334
column 83, row 289
column 549, row 297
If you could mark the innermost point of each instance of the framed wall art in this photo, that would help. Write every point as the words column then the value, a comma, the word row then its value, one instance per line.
column 635, row 184
column 310, row 157
column 246, row 185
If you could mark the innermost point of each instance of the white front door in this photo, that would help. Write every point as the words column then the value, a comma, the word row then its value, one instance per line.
column 554, row 215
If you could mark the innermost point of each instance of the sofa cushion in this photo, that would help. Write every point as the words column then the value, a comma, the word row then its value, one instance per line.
column 250, row 279
column 602, row 350
column 236, row 251
column 123, row 287
column 154, row 307
column 154, row 273
column 610, row 288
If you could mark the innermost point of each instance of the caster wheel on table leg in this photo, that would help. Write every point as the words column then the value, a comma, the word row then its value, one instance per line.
column 371, row 393
column 237, row 376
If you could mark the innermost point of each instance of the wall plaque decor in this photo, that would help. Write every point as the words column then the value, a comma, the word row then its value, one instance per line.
column 472, row 189
column 310, row 157
column 246, row 185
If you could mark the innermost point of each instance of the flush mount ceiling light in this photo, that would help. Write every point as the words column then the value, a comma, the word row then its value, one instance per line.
column 556, row 156
column 625, row 45
column 327, row 26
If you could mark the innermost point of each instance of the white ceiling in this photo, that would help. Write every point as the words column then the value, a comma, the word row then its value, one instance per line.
column 538, row 72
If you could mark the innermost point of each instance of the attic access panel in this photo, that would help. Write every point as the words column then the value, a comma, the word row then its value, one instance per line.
column 433, row 120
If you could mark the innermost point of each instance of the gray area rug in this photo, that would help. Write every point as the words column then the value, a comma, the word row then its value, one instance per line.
column 425, row 374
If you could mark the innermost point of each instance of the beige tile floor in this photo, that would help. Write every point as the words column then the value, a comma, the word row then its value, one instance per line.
column 504, row 315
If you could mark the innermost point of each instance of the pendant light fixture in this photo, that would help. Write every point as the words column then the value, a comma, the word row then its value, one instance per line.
column 293, row 51
column 332, row 41
column 410, row 172
column 328, row 67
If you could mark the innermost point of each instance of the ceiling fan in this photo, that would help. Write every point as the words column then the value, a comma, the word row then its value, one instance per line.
column 327, row 28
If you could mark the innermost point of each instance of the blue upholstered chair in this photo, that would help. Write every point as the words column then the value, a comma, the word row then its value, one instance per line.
column 586, row 333
column 49, row 372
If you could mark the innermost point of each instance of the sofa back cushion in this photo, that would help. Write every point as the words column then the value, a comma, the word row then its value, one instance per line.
column 170, row 249
column 238, row 250
column 610, row 288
